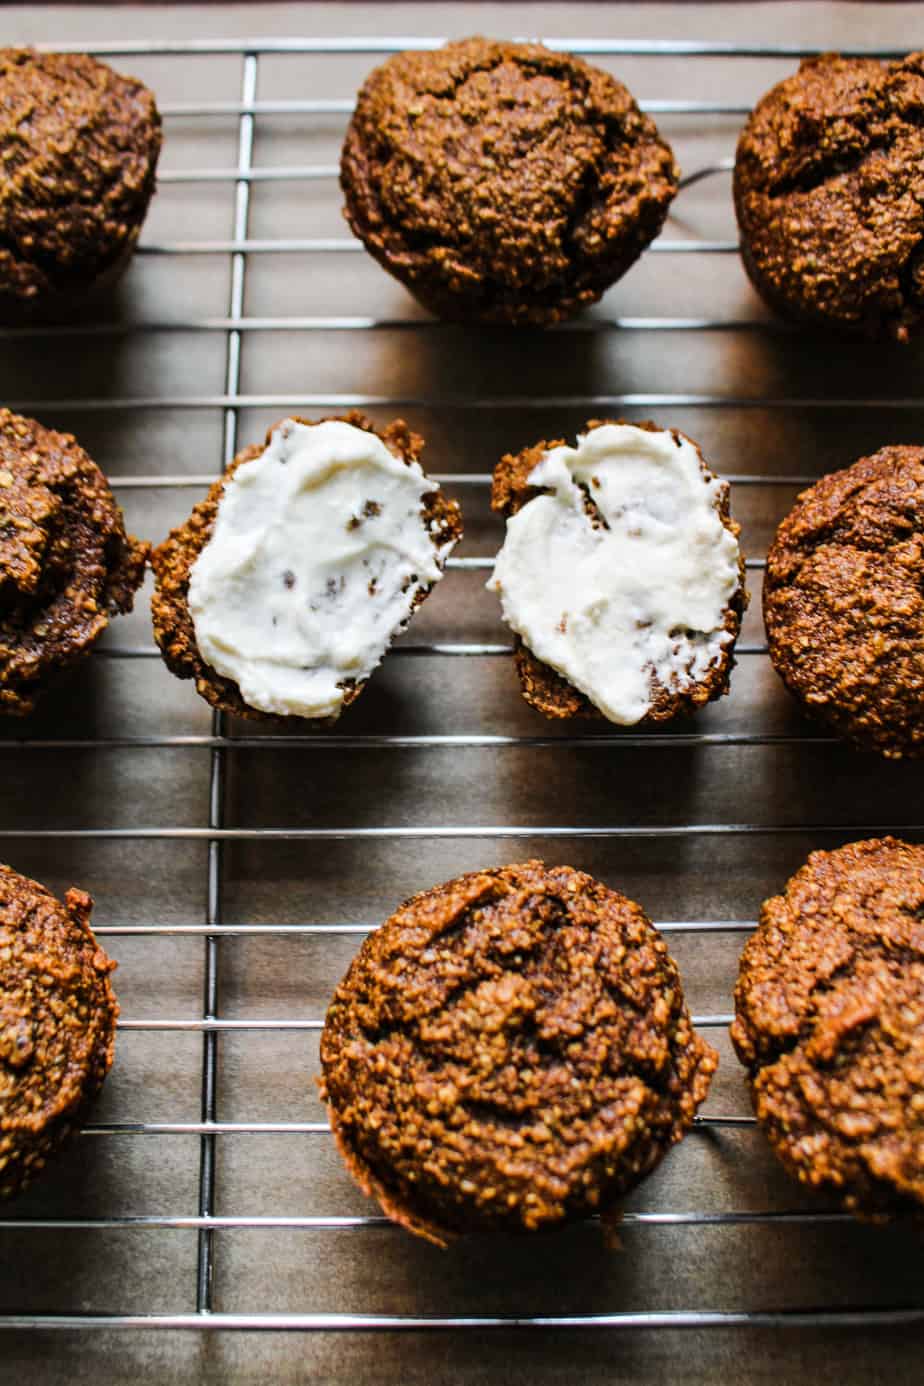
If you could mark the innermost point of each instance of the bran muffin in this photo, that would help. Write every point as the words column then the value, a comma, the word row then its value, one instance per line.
column 830, row 1025
column 691, row 666
column 57, row 1023
column 66, row 562
column 79, row 145
column 508, row 1051
column 503, row 182
column 305, row 585
column 829, row 194
column 844, row 605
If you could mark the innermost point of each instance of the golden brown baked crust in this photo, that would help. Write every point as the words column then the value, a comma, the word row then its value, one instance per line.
column 503, row 182
column 174, row 558
column 829, row 192
column 844, row 602
column 509, row 1050
column 542, row 686
column 78, row 152
column 57, row 1023
column 66, row 563
column 830, row 1025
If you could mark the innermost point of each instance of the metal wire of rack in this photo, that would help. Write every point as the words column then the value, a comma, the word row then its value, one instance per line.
column 215, row 933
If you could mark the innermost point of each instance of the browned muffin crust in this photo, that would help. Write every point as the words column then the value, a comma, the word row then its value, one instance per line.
column 78, row 152
column 830, row 1025
column 844, row 602
column 503, row 182
column 510, row 1050
column 173, row 561
column 829, row 192
column 66, row 563
column 57, row 1023
column 542, row 686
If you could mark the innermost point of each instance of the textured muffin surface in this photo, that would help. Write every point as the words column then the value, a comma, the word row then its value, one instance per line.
column 173, row 561
column 66, row 563
column 503, row 182
column 509, row 1050
column 57, row 1022
column 548, row 690
column 829, row 192
column 844, row 602
column 830, row 1024
column 78, row 151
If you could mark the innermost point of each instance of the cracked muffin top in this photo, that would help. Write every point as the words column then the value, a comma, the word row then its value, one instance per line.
column 66, row 563
column 829, row 192
column 844, row 604
column 830, row 1024
column 509, row 1050
column 503, row 182
column 78, row 151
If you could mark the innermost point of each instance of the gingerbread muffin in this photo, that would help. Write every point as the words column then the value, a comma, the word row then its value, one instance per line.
column 57, row 1023
column 502, row 182
column 620, row 574
column 829, row 192
column 844, row 604
column 508, row 1051
column 830, row 1025
column 66, row 563
column 78, row 152
column 285, row 587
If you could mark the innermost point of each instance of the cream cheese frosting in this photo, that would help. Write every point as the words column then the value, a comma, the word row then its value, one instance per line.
column 318, row 550
column 630, row 597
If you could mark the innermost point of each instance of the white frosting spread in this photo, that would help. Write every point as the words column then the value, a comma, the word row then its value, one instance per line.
column 317, row 552
column 641, row 602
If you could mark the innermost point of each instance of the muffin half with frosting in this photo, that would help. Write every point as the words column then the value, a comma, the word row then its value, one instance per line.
column 620, row 574
column 283, row 590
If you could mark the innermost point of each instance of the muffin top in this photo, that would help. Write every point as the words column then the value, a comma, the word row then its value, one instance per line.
column 78, row 150
column 829, row 190
column 57, row 1021
column 503, row 181
column 830, row 1022
column 844, row 604
column 620, row 573
column 510, row 1049
column 66, row 563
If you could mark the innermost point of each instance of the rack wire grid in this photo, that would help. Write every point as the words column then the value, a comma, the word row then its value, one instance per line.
column 209, row 1146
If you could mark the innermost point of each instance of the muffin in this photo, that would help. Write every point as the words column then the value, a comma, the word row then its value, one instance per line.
column 57, row 1023
column 66, row 563
column 78, row 153
column 508, row 1051
column 829, row 193
column 620, row 574
column 844, row 604
column 283, row 590
column 829, row 1022
column 502, row 182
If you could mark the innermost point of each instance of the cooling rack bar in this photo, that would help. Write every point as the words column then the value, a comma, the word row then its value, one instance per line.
column 733, row 926
column 702, row 1124
column 144, row 483
column 319, row 742
column 88, row 405
column 337, row 1224
column 212, row 1025
column 527, row 830
column 346, row 107
column 600, row 47
column 339, row 1323
column 339, row 245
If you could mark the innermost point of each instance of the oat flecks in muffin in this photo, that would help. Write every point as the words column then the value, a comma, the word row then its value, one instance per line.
column 508, row 1051
column 66, row 563
column 695, row 663
column 173, row 562
column 57, row 1023
column 503, row 182
column 829, row 192
column 79, row 145
column 830, row 1025
column 844, row 602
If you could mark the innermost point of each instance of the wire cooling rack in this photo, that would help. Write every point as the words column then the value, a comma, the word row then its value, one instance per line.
column 379, row 825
